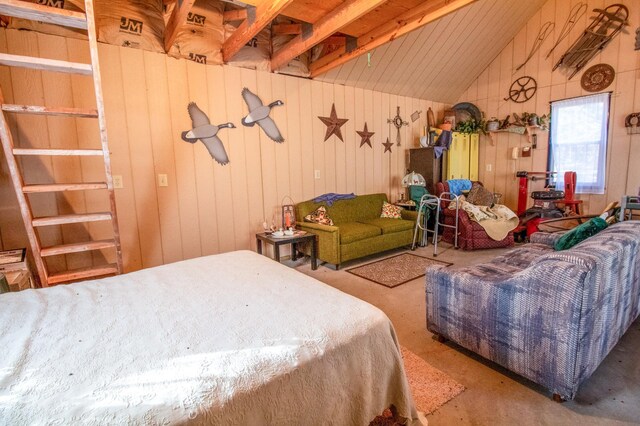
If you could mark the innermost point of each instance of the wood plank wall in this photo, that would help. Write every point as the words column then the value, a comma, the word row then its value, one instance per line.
column 207, row 208
column 489, row 89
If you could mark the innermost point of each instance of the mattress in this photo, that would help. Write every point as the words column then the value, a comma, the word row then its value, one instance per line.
column 234, row 338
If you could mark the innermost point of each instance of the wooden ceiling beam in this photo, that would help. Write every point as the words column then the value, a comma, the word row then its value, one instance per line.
column 397, row 27
column 286, row 29
column 266, row 11
column 234, row 15
column 177, row 19
column 331, row 23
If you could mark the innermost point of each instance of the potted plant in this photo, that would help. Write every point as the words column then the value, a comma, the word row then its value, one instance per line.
column 470, row 126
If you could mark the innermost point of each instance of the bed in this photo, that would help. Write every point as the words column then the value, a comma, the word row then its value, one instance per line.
column 233, row 338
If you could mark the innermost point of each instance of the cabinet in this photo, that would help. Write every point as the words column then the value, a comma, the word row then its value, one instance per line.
column 423, row 161
column 461, row 160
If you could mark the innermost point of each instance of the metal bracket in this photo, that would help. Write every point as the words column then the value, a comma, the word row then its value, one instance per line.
column 307, row 30
column 251, row 14
column 351, row 44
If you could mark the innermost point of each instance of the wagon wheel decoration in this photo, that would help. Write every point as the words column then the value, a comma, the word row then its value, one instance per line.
column 522, row 89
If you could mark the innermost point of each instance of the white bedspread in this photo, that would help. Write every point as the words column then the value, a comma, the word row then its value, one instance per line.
column 229, row 339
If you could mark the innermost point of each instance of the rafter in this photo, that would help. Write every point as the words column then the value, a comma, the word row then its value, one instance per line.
column 234, row 15
column 177, row 19
column 399, row 26
column 286, row 29
column 266, row 11
column 331, row 23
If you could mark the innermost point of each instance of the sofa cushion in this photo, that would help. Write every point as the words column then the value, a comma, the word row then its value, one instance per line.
column 356, row 231
column 480, row 196
column 388, row 225
column 343, row 211
column 522, row 257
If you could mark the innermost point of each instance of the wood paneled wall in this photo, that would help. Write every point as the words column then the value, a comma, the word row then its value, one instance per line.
column 492, row 86
column 207, row 208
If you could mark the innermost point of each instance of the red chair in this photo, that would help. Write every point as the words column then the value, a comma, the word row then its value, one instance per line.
column 471, row 236
column 569, row 203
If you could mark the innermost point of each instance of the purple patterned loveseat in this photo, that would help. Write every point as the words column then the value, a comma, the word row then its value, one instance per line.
column 550, row 316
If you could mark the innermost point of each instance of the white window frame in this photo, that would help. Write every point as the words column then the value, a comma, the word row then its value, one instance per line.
column 565, row 134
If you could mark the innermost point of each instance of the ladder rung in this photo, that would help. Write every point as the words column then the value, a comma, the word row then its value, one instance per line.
column 44, row 64
column 80, row 152
column 59, row 187
column 76, row 247
column 42, row 110
column 78, row 274
column 36, row 12
column 71, row 218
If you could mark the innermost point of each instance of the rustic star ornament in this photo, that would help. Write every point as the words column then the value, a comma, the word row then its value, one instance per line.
column 333, row 124
column 387, row 146
column 366, row 136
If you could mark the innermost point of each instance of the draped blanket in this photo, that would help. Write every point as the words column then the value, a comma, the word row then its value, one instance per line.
column 497, row 221
column 230, row 339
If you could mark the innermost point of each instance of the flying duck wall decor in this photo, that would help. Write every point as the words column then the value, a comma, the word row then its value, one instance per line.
column 206, row 132
column 333, row 124
column 259, row 113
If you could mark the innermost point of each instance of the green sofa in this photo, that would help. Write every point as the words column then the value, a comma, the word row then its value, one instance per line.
column 358, row 229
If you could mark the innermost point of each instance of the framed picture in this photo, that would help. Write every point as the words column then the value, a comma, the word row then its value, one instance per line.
column 450, row 117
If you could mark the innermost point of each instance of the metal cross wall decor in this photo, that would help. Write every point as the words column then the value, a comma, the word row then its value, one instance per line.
column 398, row 122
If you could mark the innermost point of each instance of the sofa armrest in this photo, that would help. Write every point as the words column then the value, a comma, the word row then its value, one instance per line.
column 409, row 214
column 328, row 240
column 546, row 238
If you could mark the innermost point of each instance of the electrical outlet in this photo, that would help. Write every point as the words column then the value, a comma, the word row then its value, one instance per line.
column 117, row 181
column 489, row 167
column 316, row 174
column 162, row 180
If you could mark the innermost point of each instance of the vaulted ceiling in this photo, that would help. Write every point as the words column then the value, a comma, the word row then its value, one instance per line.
column 430, row 49
column 439, row 60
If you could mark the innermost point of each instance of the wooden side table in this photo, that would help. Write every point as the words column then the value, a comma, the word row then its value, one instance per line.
column 293, row 240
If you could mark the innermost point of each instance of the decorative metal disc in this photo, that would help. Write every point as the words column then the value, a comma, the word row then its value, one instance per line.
column 522, row 89
column 597, row 78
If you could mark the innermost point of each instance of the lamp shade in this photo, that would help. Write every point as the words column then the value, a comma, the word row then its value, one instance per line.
column 413, row 178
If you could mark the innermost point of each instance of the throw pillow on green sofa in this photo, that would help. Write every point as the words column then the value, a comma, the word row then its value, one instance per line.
column 319, row 216
column 391, row 211
column 580, row 233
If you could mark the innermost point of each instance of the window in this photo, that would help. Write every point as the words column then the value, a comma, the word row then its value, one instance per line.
column 578, row 141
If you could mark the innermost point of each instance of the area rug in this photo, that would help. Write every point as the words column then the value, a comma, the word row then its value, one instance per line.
column 430, row 387
column 396, row 270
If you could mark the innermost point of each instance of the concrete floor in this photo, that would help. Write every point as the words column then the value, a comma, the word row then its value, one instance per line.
column 493, row 395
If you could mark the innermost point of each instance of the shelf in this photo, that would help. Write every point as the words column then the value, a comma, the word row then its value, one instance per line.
column 520, row 130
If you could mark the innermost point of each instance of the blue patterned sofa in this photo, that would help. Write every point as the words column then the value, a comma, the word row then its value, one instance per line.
column 549, row 316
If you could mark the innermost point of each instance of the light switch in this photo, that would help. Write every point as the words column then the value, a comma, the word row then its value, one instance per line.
column 162, row 180
column 117, row 181
column 489, row 167
column 316, row 174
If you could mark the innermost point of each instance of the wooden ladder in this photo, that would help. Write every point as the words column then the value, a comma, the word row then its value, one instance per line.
column 85, row 21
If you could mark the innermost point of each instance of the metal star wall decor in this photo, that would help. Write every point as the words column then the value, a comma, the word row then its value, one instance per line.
column 398, row 122
column 365, row 135
column 333, row 124
column 387, row 146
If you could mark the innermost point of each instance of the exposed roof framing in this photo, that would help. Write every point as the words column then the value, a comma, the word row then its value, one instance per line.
column 176, row 21
column 266, row 11
column 412, row 19
column 331, row 23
